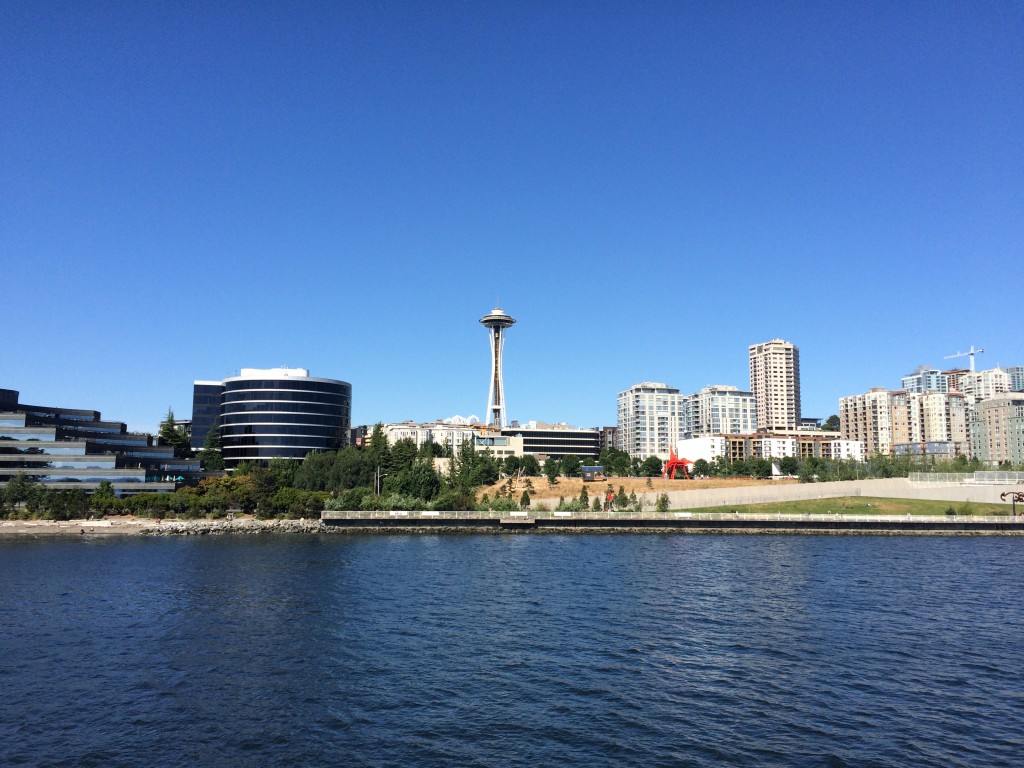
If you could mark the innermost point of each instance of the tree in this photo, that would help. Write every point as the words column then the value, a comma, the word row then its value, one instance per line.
column 210, row 455
column 177, row 437
column 831, row 424
column 419, row 481
column 614, row 461
column 102, row 499
column 402, row 455
column 701, row 468
column 551, row 470
column 284, row 471
column 789, row 465
column 650, row 467
column 510, row 465
column 378, row 452
column 530, row 466
column 571, row 465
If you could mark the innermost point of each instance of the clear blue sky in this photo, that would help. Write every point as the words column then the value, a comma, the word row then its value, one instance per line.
column 187, row 189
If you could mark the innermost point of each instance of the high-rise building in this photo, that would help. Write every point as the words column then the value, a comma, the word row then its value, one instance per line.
column 274, row 413
column 649, row 419
column 898, row 422
column 775, row 384
column 981, row 385
column 1016, row 374
column 924, row 379
column 496, row 322
column 718, row 410
column 867, row 418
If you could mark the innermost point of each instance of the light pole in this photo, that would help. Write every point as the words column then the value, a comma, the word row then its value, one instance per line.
column 1015, row 496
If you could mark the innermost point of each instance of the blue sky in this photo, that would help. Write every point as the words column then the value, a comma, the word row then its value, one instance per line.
column 187, row 189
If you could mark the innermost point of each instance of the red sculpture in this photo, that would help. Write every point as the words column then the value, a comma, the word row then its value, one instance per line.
column 674, row 463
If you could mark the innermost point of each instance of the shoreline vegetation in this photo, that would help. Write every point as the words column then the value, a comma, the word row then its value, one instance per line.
column 381, row 478
column 248, row 524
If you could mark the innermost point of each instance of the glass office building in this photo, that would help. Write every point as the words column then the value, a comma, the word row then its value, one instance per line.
column 274, row 413
column 71, row 449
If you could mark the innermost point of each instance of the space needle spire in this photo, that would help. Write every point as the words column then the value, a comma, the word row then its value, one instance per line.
column 496, row 322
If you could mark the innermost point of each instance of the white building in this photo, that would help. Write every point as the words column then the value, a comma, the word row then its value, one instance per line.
column 649, row 419
column 779, row 447
column 981, row 385
column 775, row 384
column 454, row 436
column 845, row 450
column 708, row 448
column 718, row 409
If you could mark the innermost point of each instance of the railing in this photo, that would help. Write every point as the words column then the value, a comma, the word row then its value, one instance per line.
column 412, row 516
column 981, row 477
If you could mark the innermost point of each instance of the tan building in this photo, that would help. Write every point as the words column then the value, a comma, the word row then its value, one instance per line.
column 890, row 422
column 868, row 419
column 775, row 384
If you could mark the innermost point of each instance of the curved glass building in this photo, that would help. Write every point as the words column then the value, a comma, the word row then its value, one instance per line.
column 280, row 413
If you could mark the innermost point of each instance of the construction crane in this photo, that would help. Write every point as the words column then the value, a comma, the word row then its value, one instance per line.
column 970, row 353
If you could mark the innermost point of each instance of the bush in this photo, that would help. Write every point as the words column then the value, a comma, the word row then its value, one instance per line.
column 498, row 504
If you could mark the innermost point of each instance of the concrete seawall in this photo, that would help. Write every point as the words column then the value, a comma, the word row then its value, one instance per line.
column 894, row 488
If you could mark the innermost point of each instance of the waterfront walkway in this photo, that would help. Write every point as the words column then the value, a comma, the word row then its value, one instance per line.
column 694, row 521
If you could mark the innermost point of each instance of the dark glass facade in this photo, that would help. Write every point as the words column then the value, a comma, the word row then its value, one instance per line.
column 70, row 448
column 557, row 443
column 206, row 397
column 264, row 417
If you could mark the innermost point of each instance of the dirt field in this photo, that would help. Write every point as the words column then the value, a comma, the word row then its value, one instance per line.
column 569, row 487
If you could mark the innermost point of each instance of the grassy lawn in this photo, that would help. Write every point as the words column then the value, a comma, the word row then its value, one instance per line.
column 862, row 505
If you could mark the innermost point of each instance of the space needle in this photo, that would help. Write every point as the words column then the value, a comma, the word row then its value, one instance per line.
column 496, row 322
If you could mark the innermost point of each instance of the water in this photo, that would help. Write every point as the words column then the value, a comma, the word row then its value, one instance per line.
column 519, row 650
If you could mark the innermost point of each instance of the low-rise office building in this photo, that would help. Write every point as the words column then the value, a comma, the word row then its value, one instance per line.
column 66, row 448
column 556, row 441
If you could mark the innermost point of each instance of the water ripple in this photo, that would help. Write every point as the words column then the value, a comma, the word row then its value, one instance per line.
column 512, row 651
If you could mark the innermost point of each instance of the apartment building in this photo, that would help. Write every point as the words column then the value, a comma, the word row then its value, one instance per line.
column 898, row 422
column 924, row 379
column 997, row 429
column 775, row 384
column 649, row 419
column 717, row 410
column 981, row 385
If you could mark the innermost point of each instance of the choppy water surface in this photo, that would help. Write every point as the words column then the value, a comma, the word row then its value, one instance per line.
column 462, row 650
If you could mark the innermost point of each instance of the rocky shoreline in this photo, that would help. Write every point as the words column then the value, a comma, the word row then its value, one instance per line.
column 252, row 526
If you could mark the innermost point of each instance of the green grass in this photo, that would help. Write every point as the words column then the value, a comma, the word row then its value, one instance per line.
column 861, row 505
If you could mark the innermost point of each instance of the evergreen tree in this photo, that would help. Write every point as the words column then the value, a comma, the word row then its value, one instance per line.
column 210, row 456
column 176, row 437
column 551, row 470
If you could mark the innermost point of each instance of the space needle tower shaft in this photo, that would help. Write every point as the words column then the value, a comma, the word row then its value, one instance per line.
column 496, row 322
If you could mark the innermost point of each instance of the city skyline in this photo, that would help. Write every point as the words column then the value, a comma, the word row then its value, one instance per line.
column 189, row 191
